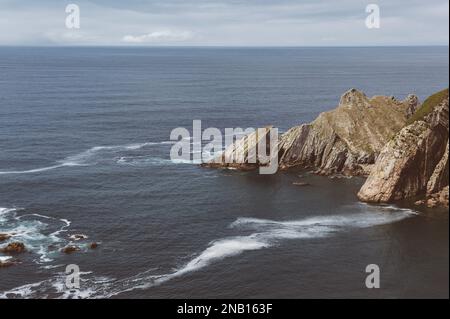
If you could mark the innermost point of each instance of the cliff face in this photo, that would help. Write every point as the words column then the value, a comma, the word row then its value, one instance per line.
column 439, row 178
column 414, row 162
column 347, row 139
column 243, row 153
column 402, row 146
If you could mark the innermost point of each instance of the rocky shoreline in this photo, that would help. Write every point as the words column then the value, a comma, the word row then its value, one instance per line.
column 400, row 146
column 12, row 249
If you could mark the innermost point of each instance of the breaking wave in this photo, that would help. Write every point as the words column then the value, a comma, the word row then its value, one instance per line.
column 38, row 232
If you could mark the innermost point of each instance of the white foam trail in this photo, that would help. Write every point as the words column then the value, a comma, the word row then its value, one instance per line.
column 36, row 170
column 146, row 160
column 98, row 154
column 143, row 161
column 186, row 161
column 107, row 288
column 267, row 233
column 217, row 250
column 4, row 212
column 90, row 157
column 350, row 221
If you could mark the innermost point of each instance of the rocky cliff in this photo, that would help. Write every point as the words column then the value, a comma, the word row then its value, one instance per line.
column 401, row 146
column 415, row 162
column 243, row 154
column 347, row 139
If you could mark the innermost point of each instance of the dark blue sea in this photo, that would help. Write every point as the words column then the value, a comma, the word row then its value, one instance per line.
column 84, row 149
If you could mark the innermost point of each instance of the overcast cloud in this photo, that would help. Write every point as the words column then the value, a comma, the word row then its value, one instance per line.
column 225, row 22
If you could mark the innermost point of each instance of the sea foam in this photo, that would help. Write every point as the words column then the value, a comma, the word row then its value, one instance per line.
column 264, row 233
column 92, row 156
column 36, row 231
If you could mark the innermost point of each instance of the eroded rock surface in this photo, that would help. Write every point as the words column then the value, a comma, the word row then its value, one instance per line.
column 347, row 139
column 244, row 154
column 402, row 146
column 414, row 163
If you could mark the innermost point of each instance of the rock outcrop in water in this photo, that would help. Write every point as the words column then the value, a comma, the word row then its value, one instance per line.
column 345, row 140
column 70, row 249
column 243, row 153
column 401, row 146
column 4, row 237
column 415, row 162
column 13, row 248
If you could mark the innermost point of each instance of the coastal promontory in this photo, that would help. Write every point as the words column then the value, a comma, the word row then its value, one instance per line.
column 401, row 146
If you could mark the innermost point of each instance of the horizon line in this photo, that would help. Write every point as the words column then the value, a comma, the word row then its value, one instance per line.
column 213, row 46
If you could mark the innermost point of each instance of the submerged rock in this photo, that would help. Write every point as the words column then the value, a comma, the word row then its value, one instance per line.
column 4, row 237
column 301, row 184
column 438, row 199
column 13, row 248
column 70, row 249
column 93, row 246
column 414, row 163
column 78, row 237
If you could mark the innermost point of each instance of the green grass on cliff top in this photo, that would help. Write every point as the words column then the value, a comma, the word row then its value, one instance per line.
column 428, row 106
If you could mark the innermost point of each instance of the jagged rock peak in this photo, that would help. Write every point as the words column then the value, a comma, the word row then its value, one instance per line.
column 412, row 100
column 354, row 98
column 413, row 104
column 346, row 139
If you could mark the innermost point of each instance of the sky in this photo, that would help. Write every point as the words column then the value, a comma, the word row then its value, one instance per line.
column 224, row 23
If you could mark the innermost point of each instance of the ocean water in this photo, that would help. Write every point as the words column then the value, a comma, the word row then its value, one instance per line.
column 84, row 148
